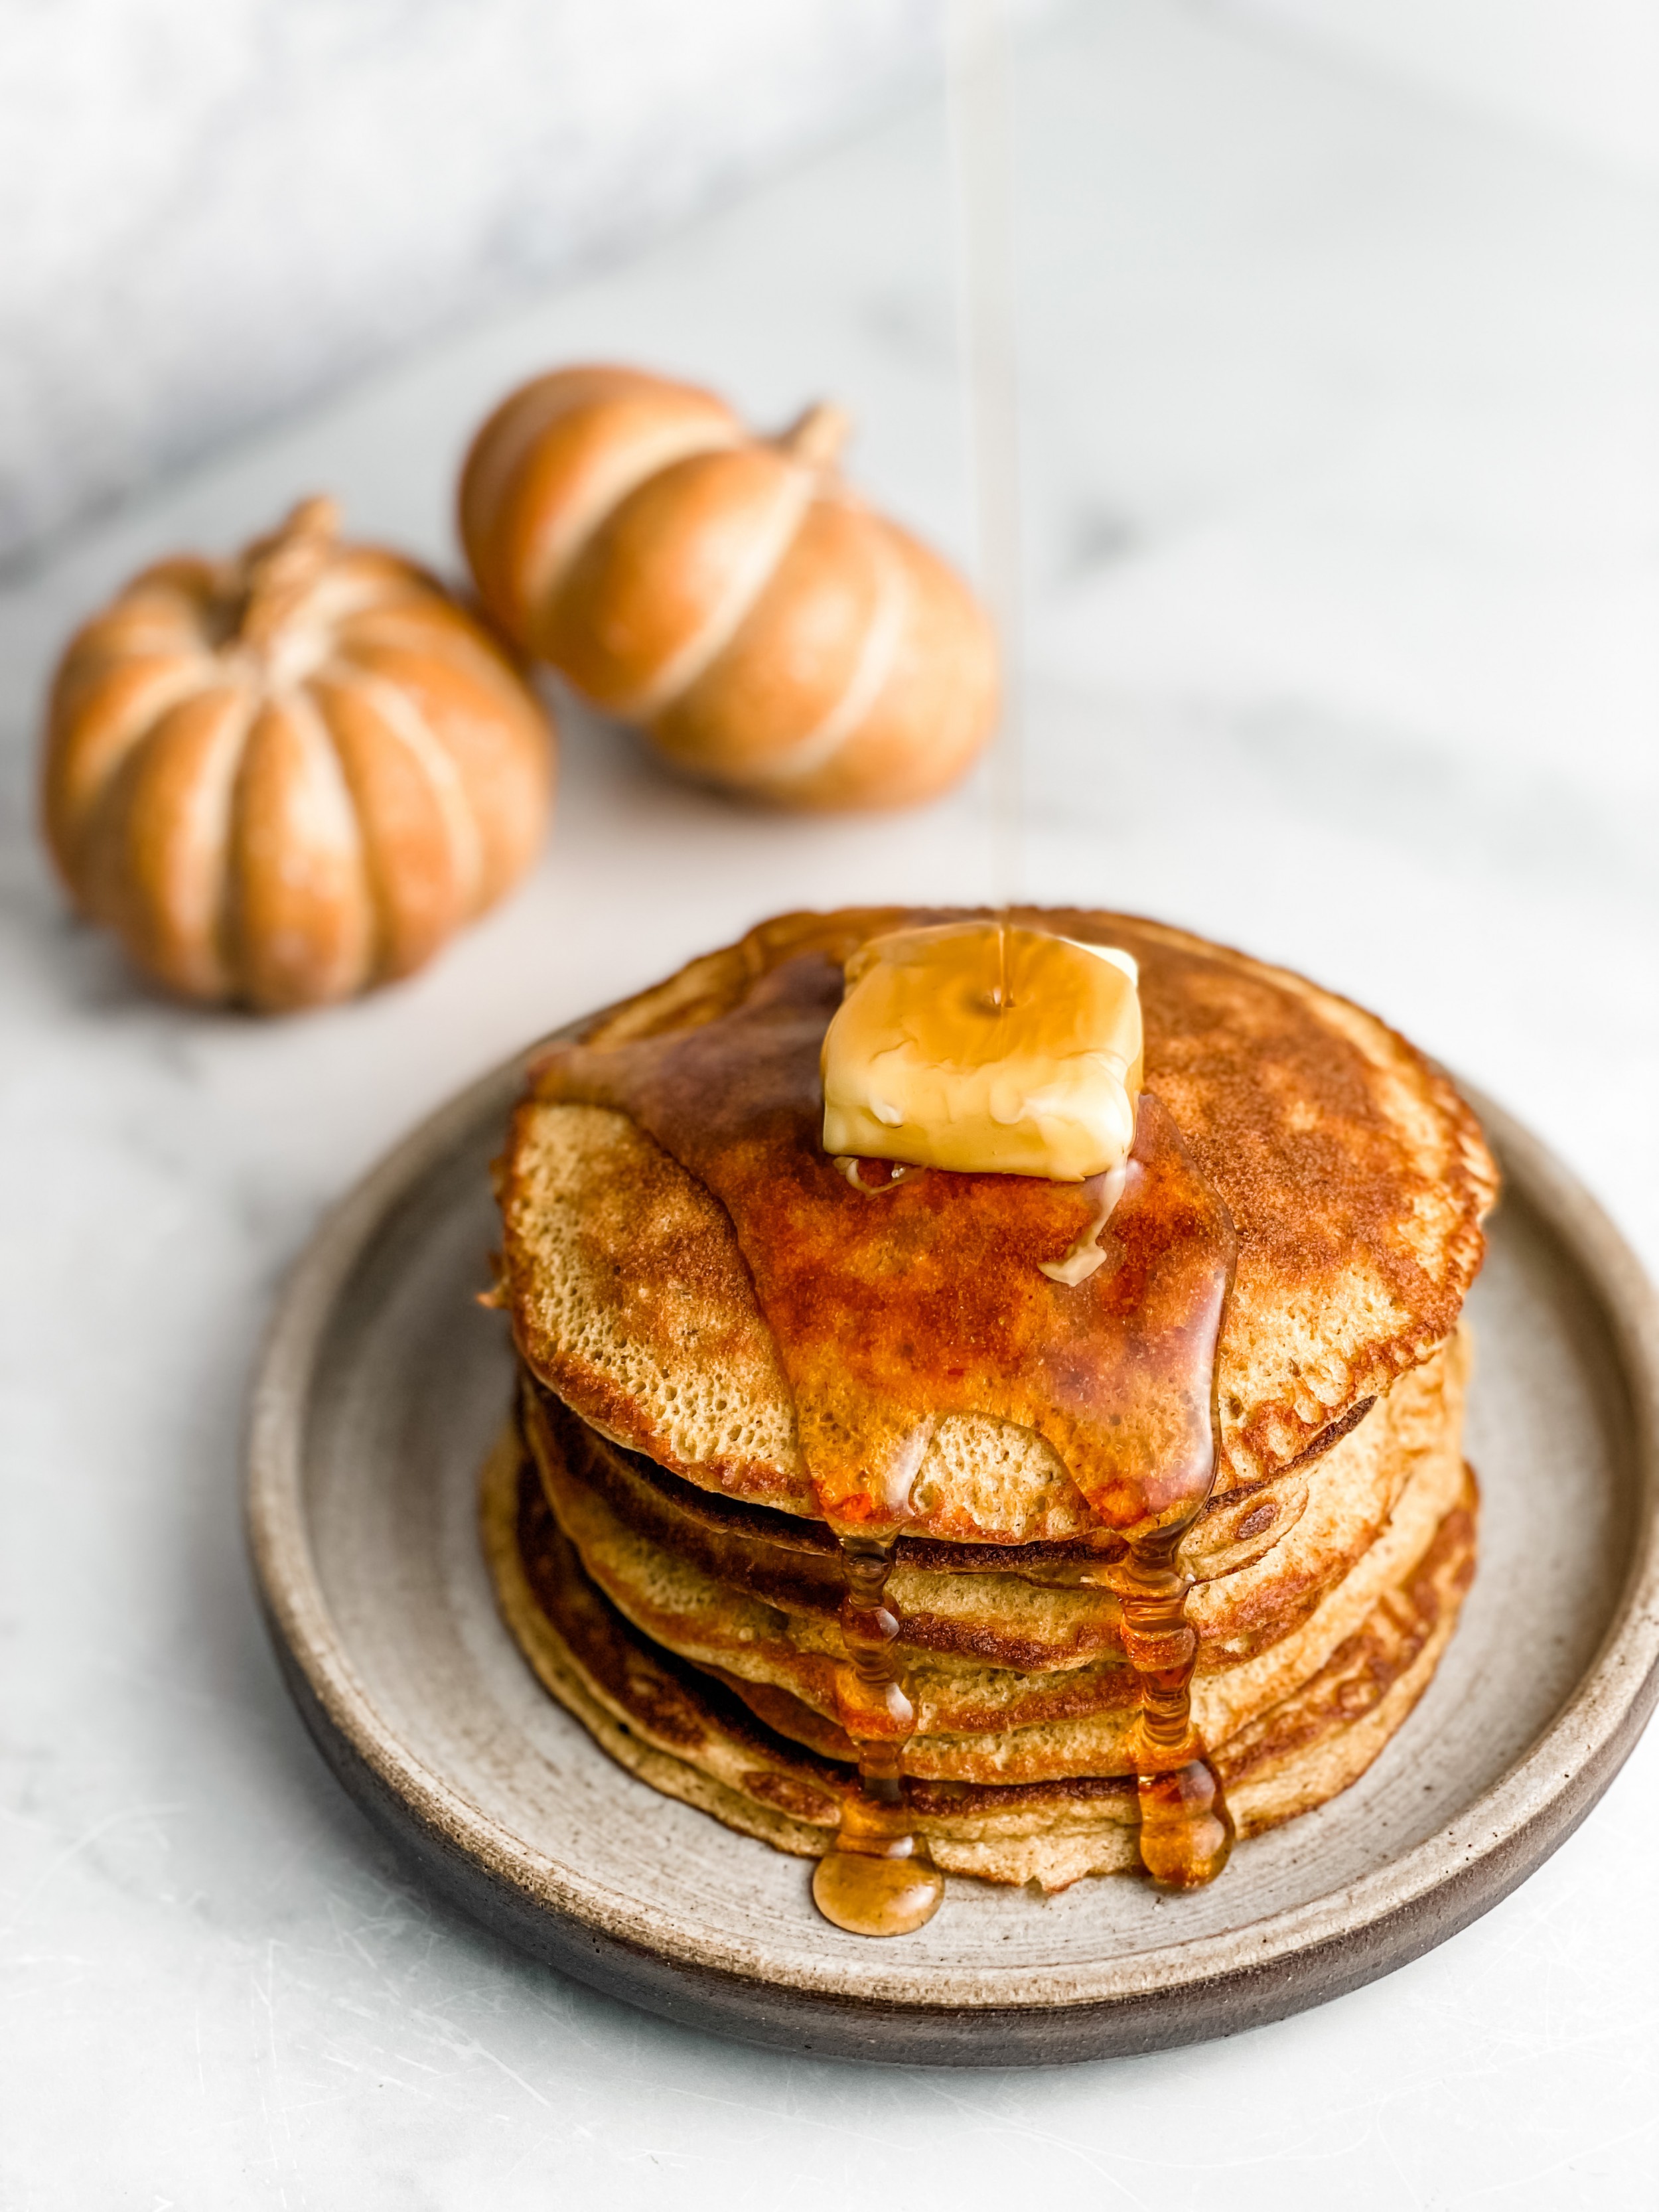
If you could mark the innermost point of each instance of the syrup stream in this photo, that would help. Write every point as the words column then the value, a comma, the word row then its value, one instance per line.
column 979, row 114
column 1186, row 1830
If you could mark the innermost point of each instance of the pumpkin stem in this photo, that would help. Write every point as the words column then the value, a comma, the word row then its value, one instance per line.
column 816, row 438
column 278, row 571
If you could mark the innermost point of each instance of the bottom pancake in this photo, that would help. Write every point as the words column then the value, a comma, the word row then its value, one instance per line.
column 681, row 1731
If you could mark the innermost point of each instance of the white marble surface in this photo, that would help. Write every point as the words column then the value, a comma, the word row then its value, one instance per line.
column 214, row 214
column 1344, row 537
column 1585, row 72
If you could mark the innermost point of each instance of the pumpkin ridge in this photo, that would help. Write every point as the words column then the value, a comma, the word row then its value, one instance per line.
column 797, row 492
column 497, row 485
column 472, row 655
column 79, row 775
column 488, row 724
column 198, row 960
column 280, row 954
column 559, row 542
column 877, row 657
column 401, row 717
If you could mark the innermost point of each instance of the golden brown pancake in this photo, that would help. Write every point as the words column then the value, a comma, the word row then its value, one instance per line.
column 1354, row 1175
column 1261, row 1561
column 979, row 1716
column 1196, row 1518
column 691, row 1737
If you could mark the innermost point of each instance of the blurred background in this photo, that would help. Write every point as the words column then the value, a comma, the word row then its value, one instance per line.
column 1335, row 340
column 214, row 214
column 1334, row 426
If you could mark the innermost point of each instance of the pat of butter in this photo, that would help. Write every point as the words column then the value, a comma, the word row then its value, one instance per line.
column 986, row 1047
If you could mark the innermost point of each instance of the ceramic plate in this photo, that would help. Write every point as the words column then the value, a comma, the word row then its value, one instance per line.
column 382, row 1387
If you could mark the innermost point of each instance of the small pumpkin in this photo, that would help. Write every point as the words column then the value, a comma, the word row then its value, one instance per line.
column 728, row 592
column 285, row 777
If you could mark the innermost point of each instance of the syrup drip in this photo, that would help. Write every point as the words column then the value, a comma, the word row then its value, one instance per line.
column 1089, row 1253
column 876, row 1879
column 1186, row 1830
column 893, row 1308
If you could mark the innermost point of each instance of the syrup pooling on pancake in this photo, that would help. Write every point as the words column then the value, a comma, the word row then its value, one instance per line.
column 893, row 1306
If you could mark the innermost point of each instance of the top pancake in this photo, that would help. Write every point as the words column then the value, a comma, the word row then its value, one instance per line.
column 1355, row 1175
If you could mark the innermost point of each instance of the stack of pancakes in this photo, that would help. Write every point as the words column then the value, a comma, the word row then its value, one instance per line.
column 657, row 1544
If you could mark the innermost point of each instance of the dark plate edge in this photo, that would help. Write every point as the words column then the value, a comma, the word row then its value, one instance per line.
column 773, row 2016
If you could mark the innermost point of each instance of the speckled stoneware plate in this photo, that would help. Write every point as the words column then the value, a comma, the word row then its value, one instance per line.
column 382, row 1387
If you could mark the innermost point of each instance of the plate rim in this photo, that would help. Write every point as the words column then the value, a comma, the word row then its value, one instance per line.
column 873, row 2006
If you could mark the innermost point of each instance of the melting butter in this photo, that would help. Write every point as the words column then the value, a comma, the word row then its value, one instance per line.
column 984, row 1047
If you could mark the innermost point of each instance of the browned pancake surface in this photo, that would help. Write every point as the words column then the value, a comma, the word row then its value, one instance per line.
column 1037, row 1689
column 1354, row 1175
column 691, row 1568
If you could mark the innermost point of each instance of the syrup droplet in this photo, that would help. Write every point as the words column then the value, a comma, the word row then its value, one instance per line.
column 877, row 1896
column 1186, row 1830
column 876, row 1879
column 865, row 1174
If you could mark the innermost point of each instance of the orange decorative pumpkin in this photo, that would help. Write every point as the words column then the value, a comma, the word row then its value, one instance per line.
column 284, row 778
column 726, row 592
